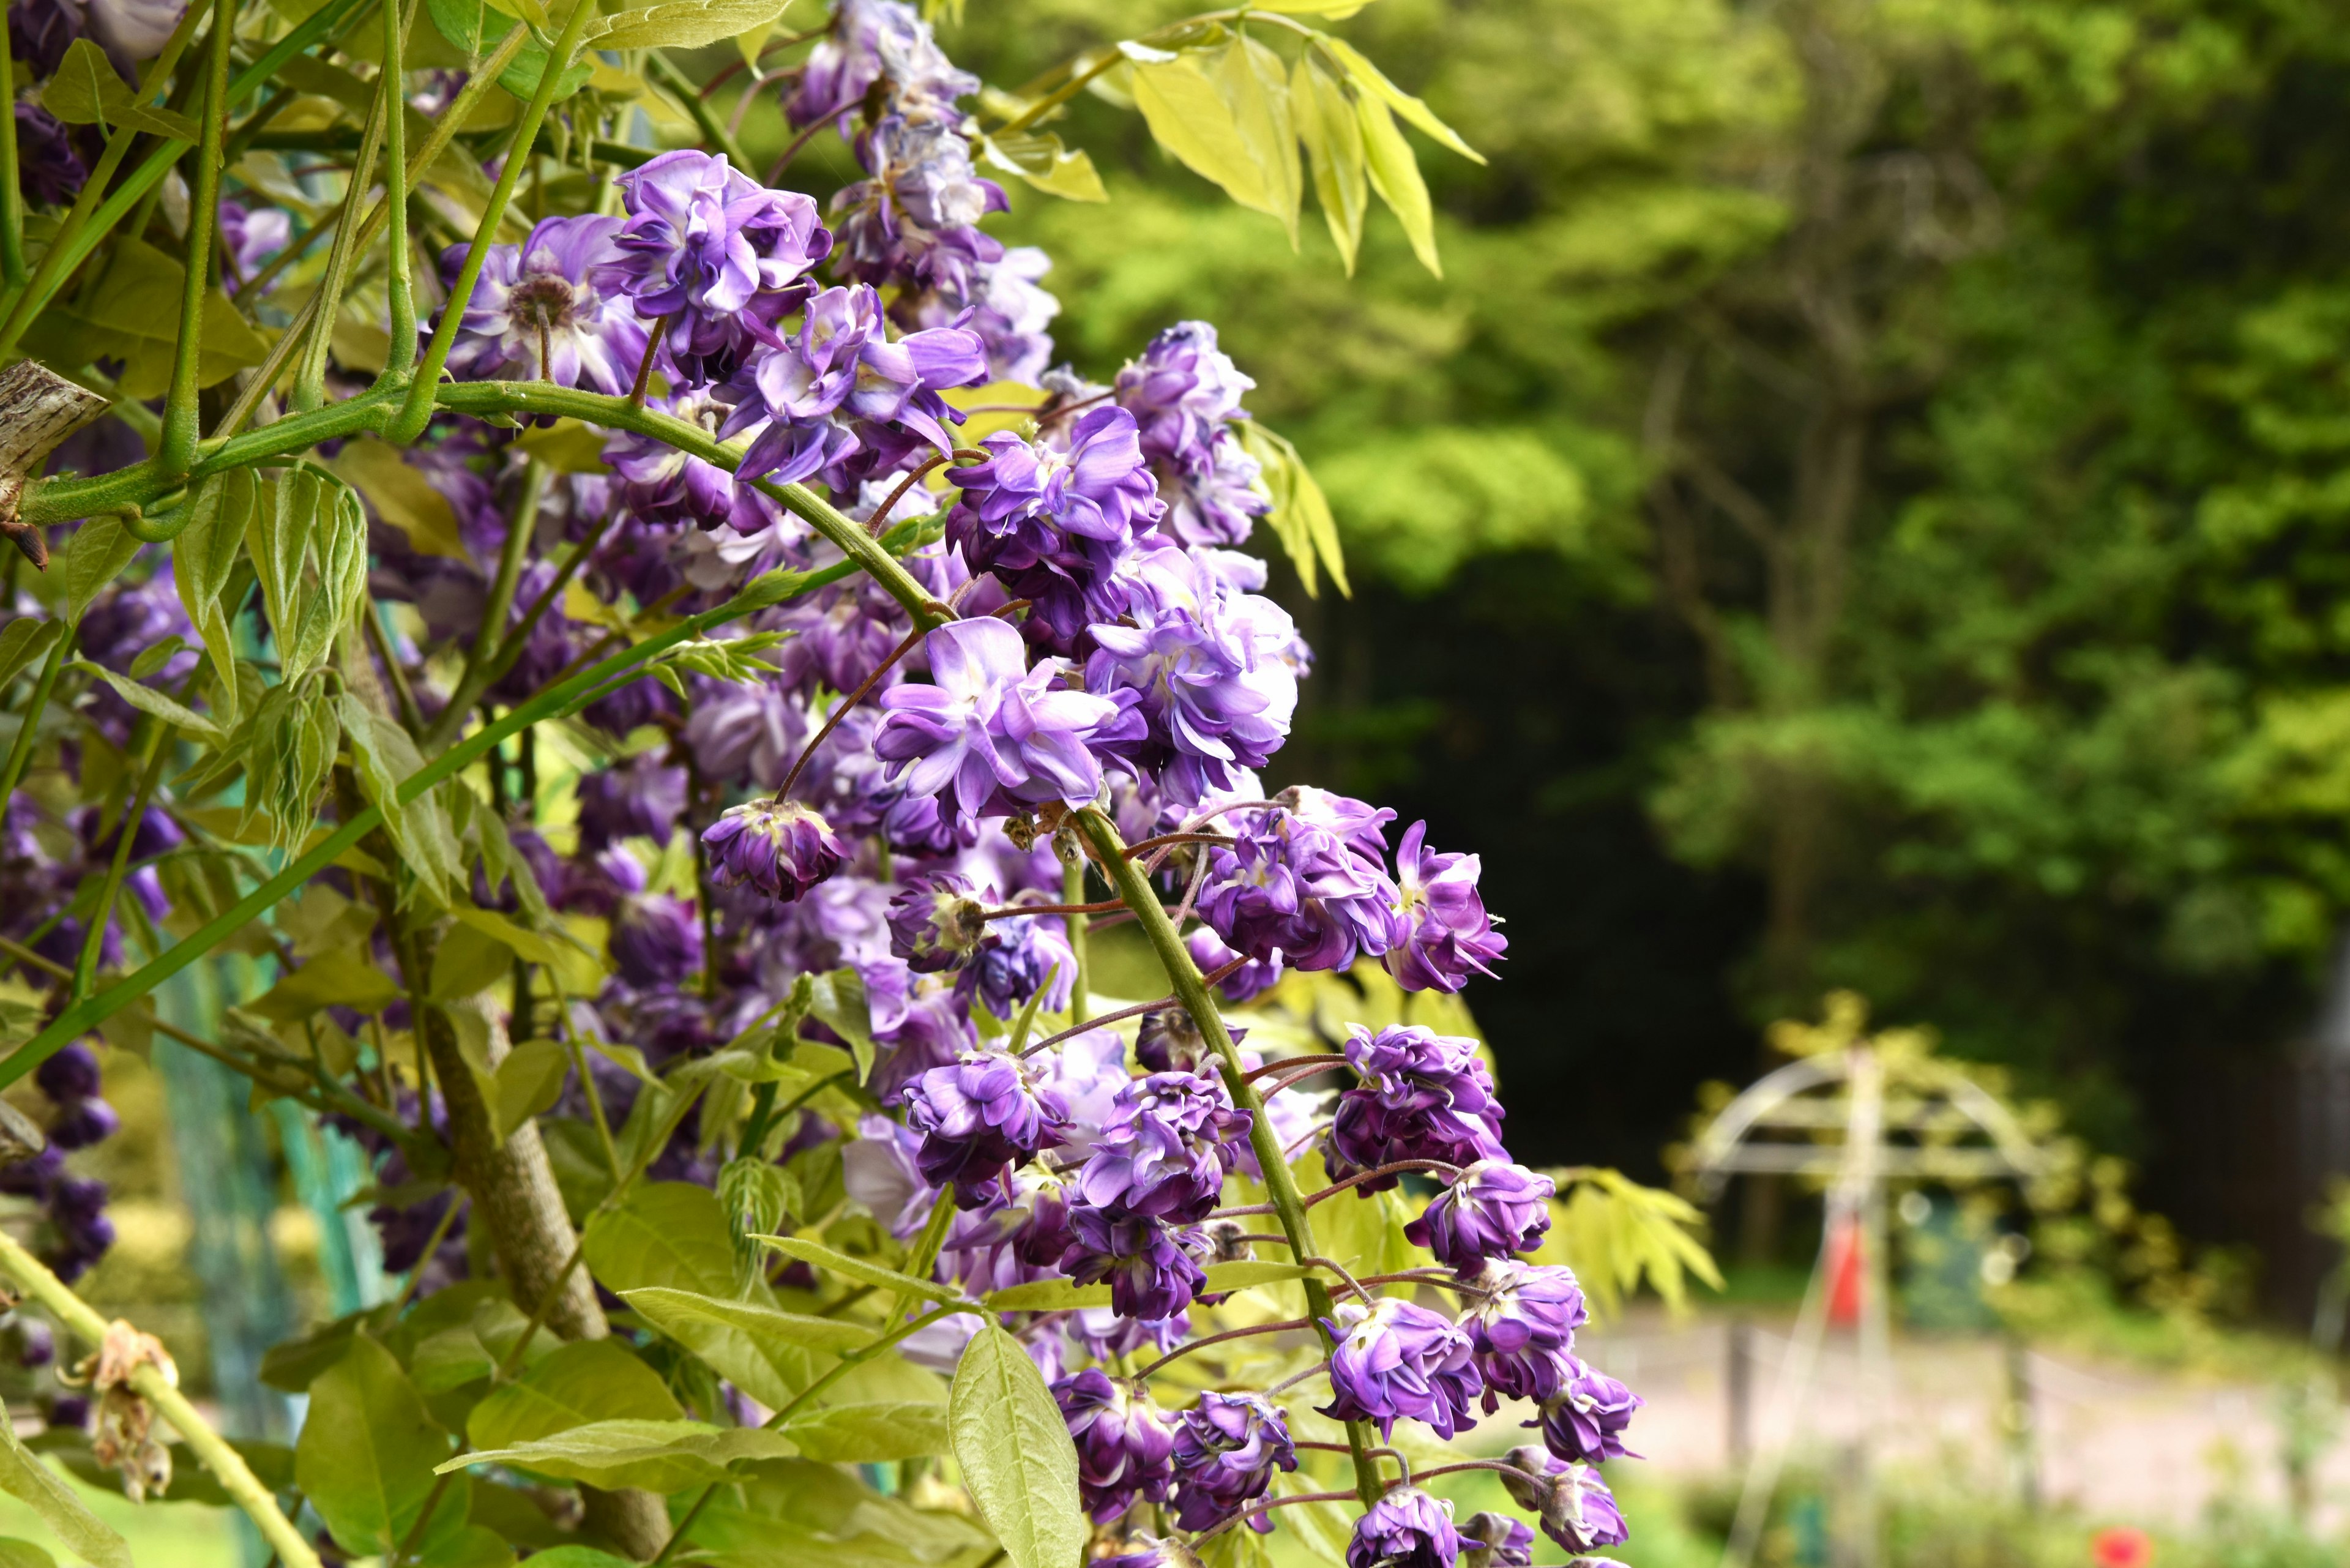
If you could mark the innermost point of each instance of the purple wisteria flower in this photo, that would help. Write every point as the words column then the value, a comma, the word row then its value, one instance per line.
column 667, row 486
column 1209, row 666
column 779, row 847
column 1405, row 1528
column 977, row 1114
column 1576, row 1506
column 656, row 940
column 934, row 922
column 538, row 312
column 1523, row 1329
column 1424, row 1095
column 1226, row 1449
column 642, row 797
column 1124, row 1443
column 1184, row 391
column 1165, row 1148
column 249, row 237
column 717, row 254
column 1492, row 1209
column 745, row 733
column 1450, row 935
column 992, row 735
column 880, row 41
column 1152, row 1267
column 1397, row 1359
column 1301, row 887
column 1585, row 1421
column 1054, row 519
column 47, row 162
column 915, row 222
column 1495, row 1541
column 1169, row 1040
column 1010, row 312
column 1021, row 955
column 1243, row 985
column 1151, row 1552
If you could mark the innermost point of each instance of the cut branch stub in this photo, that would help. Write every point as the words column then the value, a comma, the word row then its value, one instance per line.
column 38, row 408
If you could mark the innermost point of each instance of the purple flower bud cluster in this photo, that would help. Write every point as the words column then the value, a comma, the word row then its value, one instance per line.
column 1226, row 1449
column 79, row 1233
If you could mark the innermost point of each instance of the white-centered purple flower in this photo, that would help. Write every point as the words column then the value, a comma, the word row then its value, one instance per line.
column 1450, row 935
column 1398, row 1360
column 717, row 254
column 1170, row 1140
column 1585, row 1421
column 1299, row 883
column 1152, row 1267
column 1183, row 392
column 1491, row 1210
column 990, row 735
column 781, row 847
column 1226, row 1449
column 1405, row 1528
column 915, row 224
column 538, row 312
column 1124, row 1442
column 977, row 1114
column 882, row 41
column 745, row 731
column 1055, row 518
column 1576, row 1506
column 934, row 922
column 1423, row 1096
column 1522, row 1328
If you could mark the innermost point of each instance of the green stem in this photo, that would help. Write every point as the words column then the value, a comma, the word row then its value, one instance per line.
column 28, row 725
column 1280, row 1182
column 479, row 659
column 401, row 358
column 713, row 129
column 418, row 409
column 181, row 428
column 1073, row 893
column 12, row 192
column 310, row 376
column 159, row 735
column 152, row 1383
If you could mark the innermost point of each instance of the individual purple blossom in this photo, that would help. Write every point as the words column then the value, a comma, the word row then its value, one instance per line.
column 874, row 41
column 914, row 223
column 1299, row 887
column 1523, row 1329
column 779, row 847
column 1576, row 1506
column 1183, row 392
column 991, row 735
column 1395, row 1359
column 1226, row 1449
column 718, row 255
column 1585, row 1421
column 1406, row 1528
column 41, row 31
column 934, row 922
column 1451, row 934
column 1252, row 979
column 1165, row 1149
column 840, row 636
column 538, row 312
column 1023, row 955
column 1003, row 304
column 78, row 1124
column 1152, row 1267
column 1491, row 1210
column 656, row 939
column 248, row 239
column 72, row 1074
column 643, row 797
column 1124, row 1442
column 1423, row 1096
column 47, row 159
column 666, row 485
column 1151, row 1552
column 745, row 731
column 1495, row 1541
column 977, row 1114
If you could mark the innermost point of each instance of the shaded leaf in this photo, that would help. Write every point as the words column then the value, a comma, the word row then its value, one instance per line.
column 837, row 1001
column 658, row 1456
column 385, row 757
column 25, row 641
column 86, row 91
column 1018, row 1462
column 349, row 977
column 146, row 699
column 401, row 496
column 578, row 1385
column 95, row 554
column 529, row 1081
column 366, row 1456
column 34, row 1484
column 676, row 1312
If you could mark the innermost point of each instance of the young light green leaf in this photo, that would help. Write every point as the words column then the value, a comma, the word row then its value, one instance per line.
column 156, row 655
column 15, row 1553
column 581, row 1383
column 24, row 642
column 1044, row 163
column 85, row 91
column 1301, row 516
column 24, row 1478
column 529, row 1083
column 308, row 545
column 676, row 1312
column 93, row 556
column 1255, row 86
column 658, row 1456
column 1394, row 176
column 365, row 1455
column 837, row 1001
column 870, row 1434
column 146, row 699
column 421, row 829
column 823, row 1257
column 683, row 24
column 1371, row 80
column 1334, row 147
column 1188, row 114
column 536, row 947
column 350, row 978
column 202, row 559
column 1018, row 1459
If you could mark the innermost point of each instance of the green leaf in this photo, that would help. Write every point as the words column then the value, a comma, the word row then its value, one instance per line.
column 474, row 1546
column 588, row 1381
column 870, row 1434
column 23, row 642
column 1044, row 163
column 1334, row 147
column 348, row 978
column 465, row 965
column 308, row 538
column 1186, row 109
column 293, row 1364
column 529, row 1081
column 677, row 1313
column 837, row 1001
column 1018, row 1462
column 658, row 1456
column 24, row 1478
column 15, row 1553
column 1255, row 86
column 401, row 496
column 146, row 699
column 95, row 554
column 1394, row 176
column 85, row 91
column 385, row 757
column 823, row 1257
column 533, row 945
column 672, row 1236
column 683, row 24
column 202, row 559
column 1372, row 81
column 156, row 655
column 367, row 1452
column 1301, row 516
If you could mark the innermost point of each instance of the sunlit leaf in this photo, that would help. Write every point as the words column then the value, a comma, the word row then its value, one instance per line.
column 1018, row 1459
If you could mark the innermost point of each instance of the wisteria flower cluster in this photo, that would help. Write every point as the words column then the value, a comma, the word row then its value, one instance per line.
column 707, row 827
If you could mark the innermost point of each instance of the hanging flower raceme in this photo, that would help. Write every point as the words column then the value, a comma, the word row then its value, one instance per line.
column 1124, row 1444
column 539, row 312
column 1449, row 935
column 1184, row 392
column 1226, row 1449
column 1424, row 1096
column 915, row 224
column 883, row 42
column 1299, row 883
column 978, row 1114
column 1491, row 1210
column 1152, row 1267
column 778, row 846
column 1396, row 1359
column 1165, row 1148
